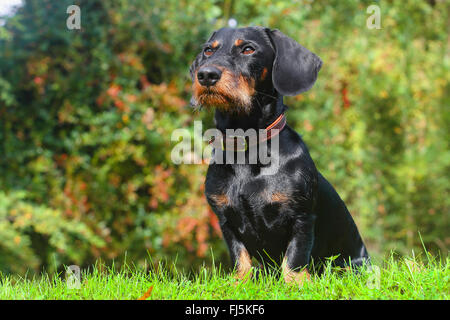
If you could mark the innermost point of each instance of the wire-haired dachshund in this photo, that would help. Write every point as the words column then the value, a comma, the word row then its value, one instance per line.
column 293, row 217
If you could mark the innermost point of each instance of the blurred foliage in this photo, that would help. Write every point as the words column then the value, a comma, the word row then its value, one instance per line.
column 26, row 227
column 86, row 118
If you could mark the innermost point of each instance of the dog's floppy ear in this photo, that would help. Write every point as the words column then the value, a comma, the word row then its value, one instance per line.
column 295, row 68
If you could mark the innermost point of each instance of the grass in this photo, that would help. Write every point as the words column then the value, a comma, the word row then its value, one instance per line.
column 405, row 278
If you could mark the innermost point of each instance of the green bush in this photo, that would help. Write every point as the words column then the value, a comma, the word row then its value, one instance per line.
column 33, row 235
column 86, row 118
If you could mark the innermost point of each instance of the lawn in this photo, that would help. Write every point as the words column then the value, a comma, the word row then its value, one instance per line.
column 405, row 278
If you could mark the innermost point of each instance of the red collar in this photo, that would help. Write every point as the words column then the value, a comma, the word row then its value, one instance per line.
column 241, row 142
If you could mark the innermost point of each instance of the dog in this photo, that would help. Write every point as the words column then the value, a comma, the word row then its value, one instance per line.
column 293, row 218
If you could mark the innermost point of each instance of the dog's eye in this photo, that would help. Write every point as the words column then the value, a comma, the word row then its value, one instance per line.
column 208, row 52
column 248, row 50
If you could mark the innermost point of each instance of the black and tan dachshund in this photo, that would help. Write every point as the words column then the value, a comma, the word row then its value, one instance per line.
column 293, row 217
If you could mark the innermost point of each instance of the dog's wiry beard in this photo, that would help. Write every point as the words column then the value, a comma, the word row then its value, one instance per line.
column 230, row 94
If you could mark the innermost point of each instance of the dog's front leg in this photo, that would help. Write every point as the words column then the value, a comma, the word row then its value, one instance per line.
column 298, row 253
column 240, row 258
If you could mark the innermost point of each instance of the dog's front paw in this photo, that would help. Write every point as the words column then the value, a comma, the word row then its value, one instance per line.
column 295, row 277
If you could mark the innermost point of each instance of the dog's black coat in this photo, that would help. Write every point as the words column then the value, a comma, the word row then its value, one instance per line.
column 309, row 220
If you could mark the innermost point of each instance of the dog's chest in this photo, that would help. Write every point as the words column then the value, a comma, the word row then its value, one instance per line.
column 253, row 206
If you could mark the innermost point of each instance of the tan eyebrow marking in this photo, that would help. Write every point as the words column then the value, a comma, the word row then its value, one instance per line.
column 215, row 44
column 238, row 42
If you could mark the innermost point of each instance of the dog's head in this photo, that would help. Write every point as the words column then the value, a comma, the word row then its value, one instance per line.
column 237, row 65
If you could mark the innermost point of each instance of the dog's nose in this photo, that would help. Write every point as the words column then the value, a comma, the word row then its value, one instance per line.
column 208, row 76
